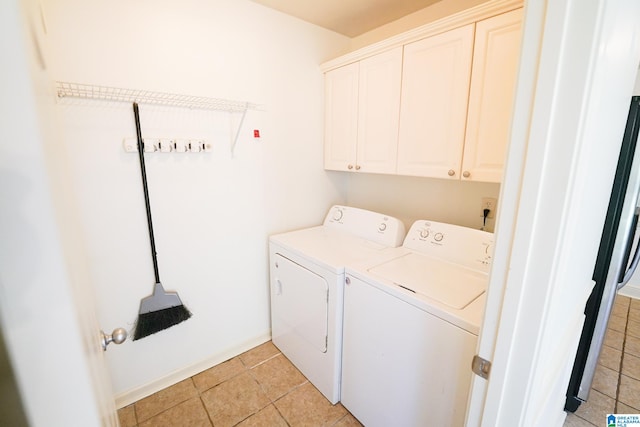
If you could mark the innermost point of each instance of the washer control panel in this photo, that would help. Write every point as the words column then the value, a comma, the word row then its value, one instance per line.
column 374, row 226
column 461, row 245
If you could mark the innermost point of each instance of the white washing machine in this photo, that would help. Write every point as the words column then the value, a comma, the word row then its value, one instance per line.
column 307, row 285
column 411, row 325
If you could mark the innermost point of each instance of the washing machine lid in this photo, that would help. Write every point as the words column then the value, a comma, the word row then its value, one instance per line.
column 447, row 283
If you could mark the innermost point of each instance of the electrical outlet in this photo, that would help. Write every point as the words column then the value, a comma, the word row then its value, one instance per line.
column 491, row 204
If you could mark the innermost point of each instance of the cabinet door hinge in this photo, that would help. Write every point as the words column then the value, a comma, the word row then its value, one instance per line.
column 481, row 367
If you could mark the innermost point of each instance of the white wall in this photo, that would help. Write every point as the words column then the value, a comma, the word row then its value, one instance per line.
column 212, row 212
column 636, row 88
column 413, row 198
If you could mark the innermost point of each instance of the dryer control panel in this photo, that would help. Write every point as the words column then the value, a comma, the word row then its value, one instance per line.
column 460, row 245
column 380, row 228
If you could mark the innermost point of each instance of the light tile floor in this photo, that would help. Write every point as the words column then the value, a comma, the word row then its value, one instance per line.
column 257, row 388
column 262, row 388
column 616, row 384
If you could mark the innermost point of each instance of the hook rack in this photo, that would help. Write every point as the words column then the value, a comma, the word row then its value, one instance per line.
column 108, row 93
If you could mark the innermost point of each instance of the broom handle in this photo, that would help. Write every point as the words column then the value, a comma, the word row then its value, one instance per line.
column 154, row 256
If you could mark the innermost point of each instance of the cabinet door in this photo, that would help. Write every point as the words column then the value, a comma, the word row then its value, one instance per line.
column 341, row 117
column 378, row 112
column 435, row 91
column 495, row 62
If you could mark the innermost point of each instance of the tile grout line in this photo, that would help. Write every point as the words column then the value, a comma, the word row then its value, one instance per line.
column 248, row 369
column 135, row 413
column 199, row 392
column 252, row 375
column 342, row 418
column 272, row 401
column 263, row 362
column 205, row 409
column 180, row 403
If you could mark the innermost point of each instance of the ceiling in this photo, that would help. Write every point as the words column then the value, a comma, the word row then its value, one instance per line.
column 348, row 17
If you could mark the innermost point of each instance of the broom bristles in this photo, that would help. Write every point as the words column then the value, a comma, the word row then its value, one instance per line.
column 156, row 321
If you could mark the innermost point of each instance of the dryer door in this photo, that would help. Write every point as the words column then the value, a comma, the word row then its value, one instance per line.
column 299, row 304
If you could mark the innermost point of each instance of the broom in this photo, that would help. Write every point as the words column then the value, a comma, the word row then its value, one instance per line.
column 162, row 309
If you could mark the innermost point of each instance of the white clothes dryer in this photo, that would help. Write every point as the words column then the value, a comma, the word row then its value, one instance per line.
column 411, row 325
column 307, row 285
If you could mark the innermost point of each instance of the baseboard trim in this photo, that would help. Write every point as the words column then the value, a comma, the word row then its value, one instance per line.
column 130, row 396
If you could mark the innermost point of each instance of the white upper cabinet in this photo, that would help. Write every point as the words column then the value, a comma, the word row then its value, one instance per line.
column 341, row 117
column 435, row 91
column 362, row 103
column 378, row 112
column 433, row 103
column 495, row 62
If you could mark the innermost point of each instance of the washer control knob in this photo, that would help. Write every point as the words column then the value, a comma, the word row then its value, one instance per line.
column 337, row 215
column 424, row 233
column 438, row 237
column 383, row 226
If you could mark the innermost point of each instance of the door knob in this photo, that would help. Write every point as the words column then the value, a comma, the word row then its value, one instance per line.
column 118, row 336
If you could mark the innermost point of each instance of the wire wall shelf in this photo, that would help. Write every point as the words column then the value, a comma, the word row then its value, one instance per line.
column 107, row 93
